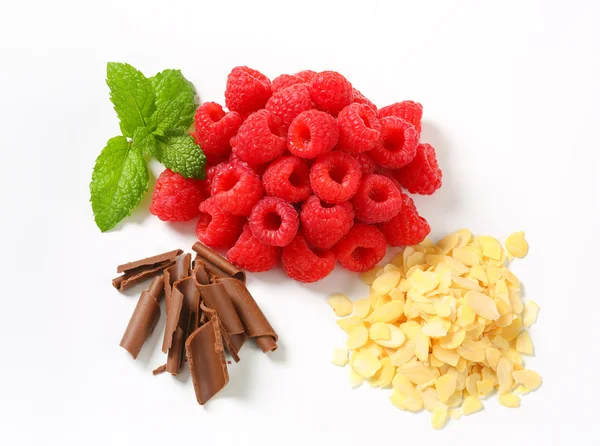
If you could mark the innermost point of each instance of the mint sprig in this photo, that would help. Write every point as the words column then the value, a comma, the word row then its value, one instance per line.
column 154, row 116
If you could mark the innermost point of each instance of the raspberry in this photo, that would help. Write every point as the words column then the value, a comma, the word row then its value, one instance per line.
column 215, row 228
column 236, row 188
column 408, row 110
column 330, row 91
column 176, row 198
column 306, row 75
column 398, row 143
column 335, row 177
column 366, row 163
column 359, row 98
column 306, row 264
column 288, row 178
column 407, row 228
column 213, row 130
column 247, row 90
column 359, row 128
column 422, row 175
column 377, row 199
column 250, row 254
column 288, row 103
column 361, row 249
column 323, row 224
column 259, row 139
column 274, row 221
column 312, row 133
column 284, row 81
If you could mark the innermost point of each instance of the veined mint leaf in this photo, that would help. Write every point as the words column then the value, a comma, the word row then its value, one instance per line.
column 119, row 181
column 132, row 94
column 144, row 140
column 182, row 155
column 175, row 102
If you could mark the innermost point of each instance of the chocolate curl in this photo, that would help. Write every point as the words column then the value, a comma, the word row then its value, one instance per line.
column 215, row 297
column 256, row 324
column 144, row 318
column 206, row 356
column 139, row 270
column 216, row 264
column 199, row 273
column 175, row 355
column 180, row 270
column 182, row 311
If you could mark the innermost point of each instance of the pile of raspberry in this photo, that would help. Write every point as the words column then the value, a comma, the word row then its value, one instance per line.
column 306, row 171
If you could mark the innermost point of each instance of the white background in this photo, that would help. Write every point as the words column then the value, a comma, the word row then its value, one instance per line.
column 510, row 93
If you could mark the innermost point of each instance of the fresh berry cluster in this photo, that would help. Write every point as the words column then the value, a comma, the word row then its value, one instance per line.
column 304, row 170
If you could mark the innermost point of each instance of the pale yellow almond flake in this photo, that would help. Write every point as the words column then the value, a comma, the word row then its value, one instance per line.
column 491, row 247
column 455, row 414
column 512, row 331
column 350, row 323
column 379, row 330
column 418, row 372
column 505, row 374
column 389, row 312
column 368, row 277
column 342, row 306
column 465, row 315
column 456, row 266
column 471, row 351
column 482, row 305
column 478, row 273
column 398, row 260
column 445, row 386
column 492, row 356
column 471, row 383
column 366, row 364
column 447, row 356
column 402, row 384
column 416, row 258
column 493, row 274
column 397, row 294
column 510, row 276
column 357, row 337
column 439, row 417
column 530, row 313
column 485, row 386
column 530, row 379
column 435, row 327
column 524, row 344
column 509, row 400
column 449, row 242
column 516, row 244
column 489, row 374
column 410, row 329
column 386, row 282
column 385, row 374
column 340, row 357
column 404, row 353
column 398, row 399
column 466, row 283
column 471, row 404
column 371, row 346
column 452, row 340
column 521, row 390
column 361, row 307
column 397, row 338
column 355, row 379
column 466, row 255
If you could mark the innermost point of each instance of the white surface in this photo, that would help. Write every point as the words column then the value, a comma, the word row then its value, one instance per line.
column 511, row 96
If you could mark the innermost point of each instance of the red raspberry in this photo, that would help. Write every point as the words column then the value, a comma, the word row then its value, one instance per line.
column 359, row 127
column 215, row 228
column 247, row 90
column 408, row 110
column 330, row 91
column 366, row 163
column 306, row 264
column 288, row 178
column 250, row 254
column 288, row 103
column 284, row 81
column 422, row 175
column 398, row 143
column 359, row 98
column 312, row 133
column 323, row 224
column 259, row 139
column 407, row 228
column 213, row 130
column 274, row 221
column 306, row 75
column 176, row 198
column 335, row 177
column 361, row 249
column 236, row 189
column 377, row 199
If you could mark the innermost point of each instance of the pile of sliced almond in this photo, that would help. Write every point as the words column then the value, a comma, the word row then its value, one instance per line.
column 444, row 325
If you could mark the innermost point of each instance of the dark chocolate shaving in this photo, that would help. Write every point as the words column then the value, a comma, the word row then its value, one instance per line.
column 139, row 274
column 199, row 273
column 215, row 297
column 175, row 355
column 206, row 356
column 144, row 318
column 179, row 271
column 217, row 265
column 150, row 261
column 256, row 324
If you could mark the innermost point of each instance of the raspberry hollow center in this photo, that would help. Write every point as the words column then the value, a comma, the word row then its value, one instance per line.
column 394, row 141
column 304, row 135
column 296, row 180
column 272, row 221
column 378, row 195
column 338, row 173
column 216, row 115
column 360, row 253
column 228, row 181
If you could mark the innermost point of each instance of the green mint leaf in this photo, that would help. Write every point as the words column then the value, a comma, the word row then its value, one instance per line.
column 132, row 95
column 144, row 140
column 119, row 181
column 182, row 155
column 175, row 102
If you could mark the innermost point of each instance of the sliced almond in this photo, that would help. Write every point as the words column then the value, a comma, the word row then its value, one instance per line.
column 342, row 306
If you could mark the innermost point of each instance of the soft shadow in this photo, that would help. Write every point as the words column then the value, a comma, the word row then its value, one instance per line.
column 184, row 227
column 240, row 373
